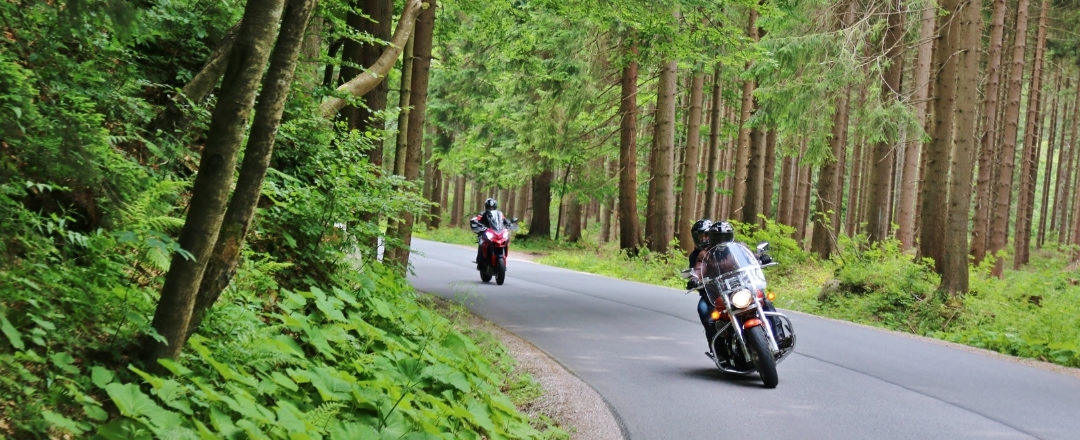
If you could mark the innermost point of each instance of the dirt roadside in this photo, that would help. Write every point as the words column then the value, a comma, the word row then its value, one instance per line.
column 574, row 406
column 570, row 402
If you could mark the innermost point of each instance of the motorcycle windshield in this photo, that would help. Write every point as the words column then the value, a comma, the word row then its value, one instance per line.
column 496, row 221
column 734, row 266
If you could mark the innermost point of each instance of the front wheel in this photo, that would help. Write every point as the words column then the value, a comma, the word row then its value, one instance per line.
column 758, row 345
column 485, row 273
column 500, row 270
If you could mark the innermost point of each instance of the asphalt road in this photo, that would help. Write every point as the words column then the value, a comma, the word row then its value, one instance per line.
column 642, row 348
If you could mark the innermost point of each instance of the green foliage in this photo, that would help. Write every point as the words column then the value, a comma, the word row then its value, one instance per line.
column 1029, row 313
column 784, row 249
column 363, row 361
column 878, row 283
column 320, row 197
column 301, row 345
column 647, row 266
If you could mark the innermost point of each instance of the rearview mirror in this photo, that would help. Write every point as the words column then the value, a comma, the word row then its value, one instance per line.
column 686, row 274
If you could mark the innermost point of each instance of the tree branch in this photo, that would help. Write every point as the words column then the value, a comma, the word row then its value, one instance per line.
column 375, row 74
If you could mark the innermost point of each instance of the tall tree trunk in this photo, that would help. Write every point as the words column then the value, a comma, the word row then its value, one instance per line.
column 800, row 207
column 421, row 66
column 983, row 193
column 477, row 203
column 879, row 208
column 1025, row 204
column 225, row 257
column 841, row 163
column 935, row 202
column 663, row 169
column 541, row 205
column 714, row 146
column 436, row 211
column 401, row 143
column 1048, row 173
column 788, row 184
column 213, row 182
column 1003, row 183
column 629, row 227
column 830, row 178
column 770, row 172
column 1068, row 164
column 457, row 212
column 743, row 151
column 909, row 186
column 612, row 171
column 964, row 39
column 574, row 218
column 523, row 201
column 755, row 175
column 855, row 183
column 375, row 22
column 404, row 96
column 690, row 167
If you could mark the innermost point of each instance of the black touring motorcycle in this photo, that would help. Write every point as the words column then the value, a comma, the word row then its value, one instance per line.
column 751, row 336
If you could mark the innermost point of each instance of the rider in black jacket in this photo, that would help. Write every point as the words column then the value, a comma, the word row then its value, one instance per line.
column 488, row 219
column 700, row 232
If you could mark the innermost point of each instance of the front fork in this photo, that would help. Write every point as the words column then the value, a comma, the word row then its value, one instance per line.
column 760, row 319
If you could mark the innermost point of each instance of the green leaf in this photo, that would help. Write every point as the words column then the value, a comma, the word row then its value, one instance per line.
column 174, row 367
column 330, row 383
column 11, row 333
column 101, row 376
column 130, row 400
column 64, row 423
column 451, row 376
column 64, row 362
column 353, row 430
column 123, row 429
column 284, row 381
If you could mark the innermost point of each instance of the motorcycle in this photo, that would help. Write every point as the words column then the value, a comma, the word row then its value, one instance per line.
column 750, row 335
column 494, row 247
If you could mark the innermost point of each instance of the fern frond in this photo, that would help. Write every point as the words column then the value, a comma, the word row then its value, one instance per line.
column 324, row 413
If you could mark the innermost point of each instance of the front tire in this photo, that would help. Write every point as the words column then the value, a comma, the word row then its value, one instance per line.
column 500, row 270
column 758, row 345
column 485, row 273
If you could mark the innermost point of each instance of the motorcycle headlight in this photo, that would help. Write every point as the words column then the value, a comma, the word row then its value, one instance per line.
column 741, row 298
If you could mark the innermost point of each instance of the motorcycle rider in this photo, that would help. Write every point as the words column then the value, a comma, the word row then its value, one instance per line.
column 700, row 233
column 488, row 219
column 722, row 233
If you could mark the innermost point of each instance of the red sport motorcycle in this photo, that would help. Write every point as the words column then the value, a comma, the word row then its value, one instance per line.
column 494, row 247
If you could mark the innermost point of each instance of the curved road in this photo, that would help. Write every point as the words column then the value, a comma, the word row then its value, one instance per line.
column 642, row 348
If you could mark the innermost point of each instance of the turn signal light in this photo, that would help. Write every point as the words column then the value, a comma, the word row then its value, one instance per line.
column 715, row 315
column 771, row 296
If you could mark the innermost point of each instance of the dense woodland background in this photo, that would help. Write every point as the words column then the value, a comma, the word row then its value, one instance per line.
column 207, row 205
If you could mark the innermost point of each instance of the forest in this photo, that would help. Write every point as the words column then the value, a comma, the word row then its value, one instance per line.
column 208, row 204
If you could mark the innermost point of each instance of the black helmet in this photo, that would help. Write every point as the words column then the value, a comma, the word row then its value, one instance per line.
column 490, row 204
column 700, row 232
column 721, row 232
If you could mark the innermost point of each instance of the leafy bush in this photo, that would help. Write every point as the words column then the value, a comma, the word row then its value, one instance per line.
column 879, row 283
column 362, row 363
column 1029, row 313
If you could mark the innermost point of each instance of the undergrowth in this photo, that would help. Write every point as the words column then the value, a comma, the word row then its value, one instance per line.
column 358, row 357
